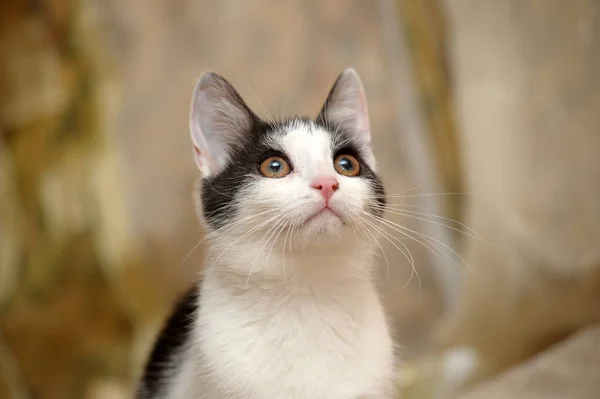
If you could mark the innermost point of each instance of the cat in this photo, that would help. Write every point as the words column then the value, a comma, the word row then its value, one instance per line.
column 286, row 307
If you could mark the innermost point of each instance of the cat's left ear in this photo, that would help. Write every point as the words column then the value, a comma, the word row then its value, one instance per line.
column 346, row 107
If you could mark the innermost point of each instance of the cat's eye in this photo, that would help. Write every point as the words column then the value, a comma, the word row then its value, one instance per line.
column 275, row 167
column 346, row 165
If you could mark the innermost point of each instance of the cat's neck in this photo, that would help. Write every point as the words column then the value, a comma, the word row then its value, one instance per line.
column 319, row 284
column 314, row 317
column 253, row 266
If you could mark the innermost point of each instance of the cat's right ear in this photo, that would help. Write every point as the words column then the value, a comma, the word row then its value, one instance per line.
column 219, row 120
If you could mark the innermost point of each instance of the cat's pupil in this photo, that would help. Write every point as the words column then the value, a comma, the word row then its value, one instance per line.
column 346, row 164
column 275, row 166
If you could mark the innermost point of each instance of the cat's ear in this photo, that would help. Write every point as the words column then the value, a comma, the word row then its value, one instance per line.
column 219, row 120
column 346, row 106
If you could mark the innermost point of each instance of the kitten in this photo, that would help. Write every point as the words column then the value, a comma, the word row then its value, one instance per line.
column 287, row 307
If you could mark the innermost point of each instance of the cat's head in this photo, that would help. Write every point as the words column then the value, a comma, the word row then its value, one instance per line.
column 310, row 181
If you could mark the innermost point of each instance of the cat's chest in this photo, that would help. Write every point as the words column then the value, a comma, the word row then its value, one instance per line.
column 300, row 348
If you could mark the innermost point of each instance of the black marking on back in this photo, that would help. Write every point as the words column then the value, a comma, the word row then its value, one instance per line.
column 171, row 339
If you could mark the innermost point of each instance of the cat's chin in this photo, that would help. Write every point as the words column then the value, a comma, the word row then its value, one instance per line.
column 324, row 218
column 325, row 229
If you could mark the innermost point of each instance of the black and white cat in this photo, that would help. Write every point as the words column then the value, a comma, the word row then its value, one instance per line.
column 287, row 307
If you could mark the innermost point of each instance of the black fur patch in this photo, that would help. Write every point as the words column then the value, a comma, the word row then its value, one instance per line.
column 169, row 342
column 219, row 192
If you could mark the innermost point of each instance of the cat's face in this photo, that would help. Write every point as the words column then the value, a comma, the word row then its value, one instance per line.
column 309, row 182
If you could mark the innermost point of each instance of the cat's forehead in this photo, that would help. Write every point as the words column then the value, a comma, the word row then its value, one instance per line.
column 304, row 140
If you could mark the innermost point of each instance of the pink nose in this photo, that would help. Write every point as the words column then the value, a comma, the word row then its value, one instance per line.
column 327, row 185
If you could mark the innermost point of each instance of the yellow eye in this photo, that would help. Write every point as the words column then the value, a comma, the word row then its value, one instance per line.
column 346, row 165
column 275, row 167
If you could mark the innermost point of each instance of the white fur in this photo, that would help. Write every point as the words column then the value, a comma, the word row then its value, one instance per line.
column 310, row 335
column 318, row 332
column 291, row 313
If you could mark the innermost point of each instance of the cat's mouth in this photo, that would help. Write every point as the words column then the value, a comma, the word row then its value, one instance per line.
column 324, row 212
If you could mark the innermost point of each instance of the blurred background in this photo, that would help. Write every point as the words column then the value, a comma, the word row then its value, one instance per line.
column 484, row 114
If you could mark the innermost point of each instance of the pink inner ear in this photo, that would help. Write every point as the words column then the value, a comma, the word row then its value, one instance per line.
column 204, row 161
column 198, row 158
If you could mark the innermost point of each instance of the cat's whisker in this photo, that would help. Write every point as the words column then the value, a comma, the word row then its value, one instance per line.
column 265, row 271
column 355, row 227
column 406, row 191
column 410, row 214
column 413, row 268
column 294, row 231
column 413, row 188
column 280, row 230
column 408, row 255
column 237, row 222
column 253, row 263
column 394, row 226
column 435, row 242
column 419, row 195
column 428, row 244
column 381, row 250
column 287, row 233
column 243, row 220
column 273, row 229
column 387, row 263
column 192, row 251
column 392, row 208
column 211, row 234
column 250, row 231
